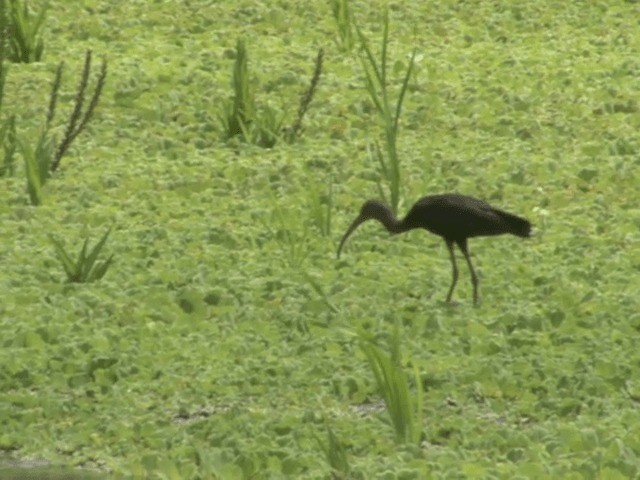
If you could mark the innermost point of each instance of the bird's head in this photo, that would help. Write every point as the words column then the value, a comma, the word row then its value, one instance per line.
column 370, row 210
column 373, row 209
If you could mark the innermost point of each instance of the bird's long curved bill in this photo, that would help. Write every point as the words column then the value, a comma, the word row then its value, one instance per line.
column 350, row 230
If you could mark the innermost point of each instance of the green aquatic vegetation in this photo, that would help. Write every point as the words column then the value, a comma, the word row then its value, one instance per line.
column 262, row 125
column 86, row 268
column 225, row 338
column 388, row 161
column 405, row 409
column 22, row 31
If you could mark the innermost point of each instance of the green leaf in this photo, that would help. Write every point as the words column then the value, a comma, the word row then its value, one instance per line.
column 34, row 183
column 84, row 269
column 101, row 269
column 80, row 267
column 393, row 385
column 96, row 250
column 67, row 263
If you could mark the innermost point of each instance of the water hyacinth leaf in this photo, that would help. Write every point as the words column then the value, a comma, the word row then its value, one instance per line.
column 210, row 391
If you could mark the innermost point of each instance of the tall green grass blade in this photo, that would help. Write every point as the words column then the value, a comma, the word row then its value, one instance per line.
column 383, row 55
column 335, row 454
column 4, row 129
column 35, row 38
column 393, row 168
column 244, row 130
column 44, row 156
column 329, row 210
column 34, row 187
column 8, row 142
column 372, row 84
column 403, row 90
column 53, row 97
column 100, row 269
column 37, row 166
column 416, row 436
column 382, row 164
column 237, row 114
column 32, row 171
column 376, row 156
column 394, row 344
column 81, row 262
column 3, row 68
column 242, row 107
column 393, row 385
column 93, row 255
column 65, row 259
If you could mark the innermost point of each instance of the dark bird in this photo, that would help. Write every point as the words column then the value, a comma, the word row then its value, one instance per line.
column 452, row 216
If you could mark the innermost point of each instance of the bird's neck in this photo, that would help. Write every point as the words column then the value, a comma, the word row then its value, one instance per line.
column 392, row 224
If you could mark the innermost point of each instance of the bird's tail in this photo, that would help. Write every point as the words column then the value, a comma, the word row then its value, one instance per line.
column 516, row 225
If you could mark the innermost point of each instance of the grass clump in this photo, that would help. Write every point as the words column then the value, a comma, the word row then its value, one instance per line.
column 78, row 120
column 305, row 100
column 238, row 113
column 86, row 268
column 45, row 158
column 335, row 453
column 344, row 22
column 376, row 84
column 264, row 125
column 405, row 410
column 37, row 166
column 389, row 114
column 23, row 30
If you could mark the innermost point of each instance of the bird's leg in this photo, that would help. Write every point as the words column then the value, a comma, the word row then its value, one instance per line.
column 455, row 270
column 474, row 278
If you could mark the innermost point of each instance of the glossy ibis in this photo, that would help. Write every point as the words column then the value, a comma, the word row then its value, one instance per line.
column 452, row 216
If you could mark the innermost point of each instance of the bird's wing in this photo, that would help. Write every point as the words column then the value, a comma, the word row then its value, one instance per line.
column 456, row 205
column 456, row 216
